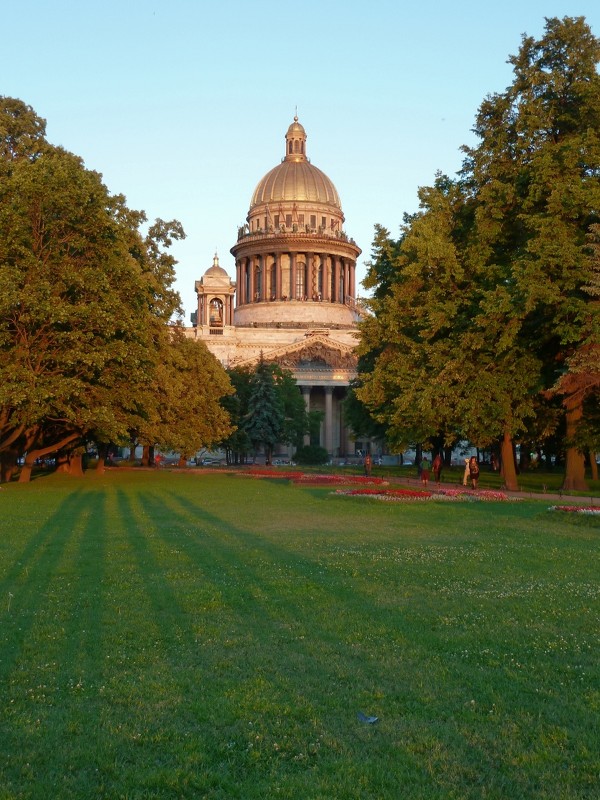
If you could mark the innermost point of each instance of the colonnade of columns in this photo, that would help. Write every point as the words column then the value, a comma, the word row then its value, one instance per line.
column 335, row 436
column 295, row 276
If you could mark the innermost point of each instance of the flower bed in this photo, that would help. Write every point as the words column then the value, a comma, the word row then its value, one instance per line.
column 594, row 510
column 256, row 472
column 387, row 494
column 414, row 494
column 316, row 479
column 345, row 479
column 479, row 494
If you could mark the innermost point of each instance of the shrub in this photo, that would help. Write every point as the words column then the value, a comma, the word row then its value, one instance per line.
column 311, row 454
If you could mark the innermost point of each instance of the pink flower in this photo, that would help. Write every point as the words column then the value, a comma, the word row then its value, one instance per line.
column 577, row 509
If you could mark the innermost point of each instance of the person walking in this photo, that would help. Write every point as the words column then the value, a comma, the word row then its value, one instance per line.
column 466, row 474
column 473, row 472
column 368, row 465
column 424, row 472
column 437, row 468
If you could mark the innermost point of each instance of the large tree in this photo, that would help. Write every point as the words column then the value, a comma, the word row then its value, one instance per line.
column 85, row 297
column 536, row 178
column 265, row 418
column 189, row 385
column 441, row 371
column 483, row 296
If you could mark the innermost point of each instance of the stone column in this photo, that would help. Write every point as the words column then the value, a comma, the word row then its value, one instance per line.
column 262, row 261
column 336, row 284
column 251, row 266
column 306, row 395
column 242, row 286
column 329, row 419
column 292, row 276
column 326, row 278
column 277, row 287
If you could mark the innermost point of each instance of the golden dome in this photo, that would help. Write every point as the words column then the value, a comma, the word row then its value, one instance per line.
column 295, row 179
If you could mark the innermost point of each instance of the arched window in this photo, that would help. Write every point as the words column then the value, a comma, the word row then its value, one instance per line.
column 216, row 313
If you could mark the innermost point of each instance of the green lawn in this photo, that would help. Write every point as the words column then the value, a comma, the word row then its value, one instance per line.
column 176, row 635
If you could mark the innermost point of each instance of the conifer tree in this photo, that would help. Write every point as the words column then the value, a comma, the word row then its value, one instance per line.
column 265, row 419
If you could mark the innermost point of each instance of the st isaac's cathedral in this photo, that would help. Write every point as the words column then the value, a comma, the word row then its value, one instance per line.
column 294, row 295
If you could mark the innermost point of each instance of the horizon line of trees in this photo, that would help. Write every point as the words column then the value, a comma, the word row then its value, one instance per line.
column 485, row 318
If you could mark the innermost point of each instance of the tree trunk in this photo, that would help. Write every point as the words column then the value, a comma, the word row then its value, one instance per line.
column 32, row 455
column 25, row 474
column 8, row 465
column 62, row 464
column 75, row 463
column 594, row 466
column 447, row 456
column 101, row 463
column 575, row 461
column 508, row 471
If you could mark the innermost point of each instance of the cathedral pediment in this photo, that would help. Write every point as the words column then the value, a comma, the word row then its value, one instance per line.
column 315, row 351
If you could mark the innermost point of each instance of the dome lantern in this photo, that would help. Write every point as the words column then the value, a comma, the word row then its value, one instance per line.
column 295, row 181
column 295, row 142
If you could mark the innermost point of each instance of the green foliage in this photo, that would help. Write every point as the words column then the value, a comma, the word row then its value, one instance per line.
column 311, row 454
column 265, row 418
column 189, row 386
column 85, row 302
column 22, row 133
column 237, row 444
column 357, row 416
column 487, row 292
column 295, row 422
column 267, row 409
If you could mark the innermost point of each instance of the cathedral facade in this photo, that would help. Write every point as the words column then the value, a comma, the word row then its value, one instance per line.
column 293, row 299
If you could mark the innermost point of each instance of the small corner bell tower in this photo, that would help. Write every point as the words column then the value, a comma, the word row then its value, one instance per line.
column 216, row 293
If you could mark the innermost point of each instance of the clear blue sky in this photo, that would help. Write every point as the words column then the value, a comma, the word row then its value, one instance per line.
column 183, row 105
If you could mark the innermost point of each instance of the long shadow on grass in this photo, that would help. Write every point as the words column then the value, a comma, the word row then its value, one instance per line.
column 29, row 583
column 308, row 638
column 322, row 637
column 50, row 653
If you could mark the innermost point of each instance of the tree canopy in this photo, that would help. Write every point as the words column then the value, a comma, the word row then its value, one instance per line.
column 266, row 409
column 85, row 300
column 482, row 301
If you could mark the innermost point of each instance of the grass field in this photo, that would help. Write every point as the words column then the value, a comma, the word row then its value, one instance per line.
column 173, row 635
